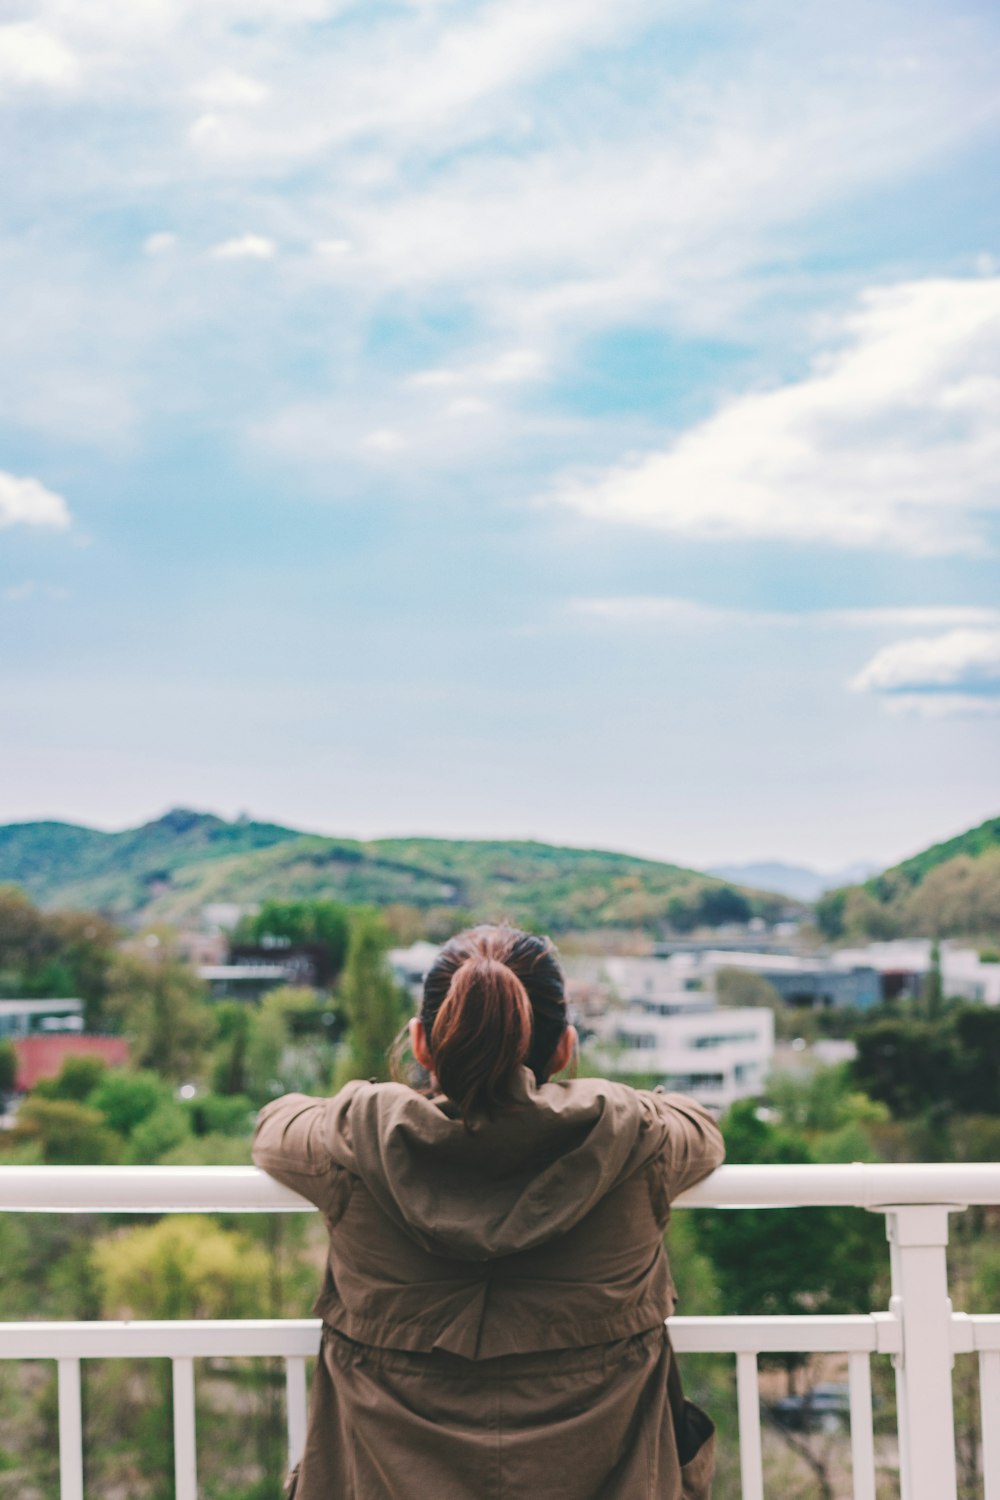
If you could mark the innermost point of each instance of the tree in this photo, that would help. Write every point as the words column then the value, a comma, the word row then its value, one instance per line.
column 932, row 993
column 908, row 1064
column 8, row 1068
column 77, row 1079
column 977, row 1030
column 735, row 986
column 815, row 1260
column 63, row 954
column 162, row 1008
column 127, row 1099
column 275, row 1064
column 181, row 1267
column 229, row 1068
column 374, row 1004
column 66, row 1133
column 309, row 924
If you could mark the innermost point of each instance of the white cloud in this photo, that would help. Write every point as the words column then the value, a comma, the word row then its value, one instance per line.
column 228, row 89
column 891, row 440
column 27, row 502
column 31, row 55
column 245, row 247
column 468, row 406
column 332, row 250
column 161, row 243
column 957, row 666
column 19, row 593
column 383, row 440
column 671, row 611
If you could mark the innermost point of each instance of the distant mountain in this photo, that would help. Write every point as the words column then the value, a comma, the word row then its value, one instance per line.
column 797, row 881
column 170, row 868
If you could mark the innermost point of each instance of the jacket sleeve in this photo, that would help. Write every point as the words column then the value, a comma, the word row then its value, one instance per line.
column 298, row 1141
column 693, row 1145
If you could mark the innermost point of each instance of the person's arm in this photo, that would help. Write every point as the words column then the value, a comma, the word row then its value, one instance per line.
column 693, row 1146
column 296, row 1142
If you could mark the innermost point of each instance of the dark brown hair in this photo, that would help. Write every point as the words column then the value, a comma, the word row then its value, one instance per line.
column 494, row 1000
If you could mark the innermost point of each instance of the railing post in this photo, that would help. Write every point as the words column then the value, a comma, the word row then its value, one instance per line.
column 918, row 1236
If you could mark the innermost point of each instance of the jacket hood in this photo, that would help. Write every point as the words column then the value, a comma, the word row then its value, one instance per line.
column 503, row 1185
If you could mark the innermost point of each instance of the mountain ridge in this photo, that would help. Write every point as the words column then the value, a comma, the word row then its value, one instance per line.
column 170, row 867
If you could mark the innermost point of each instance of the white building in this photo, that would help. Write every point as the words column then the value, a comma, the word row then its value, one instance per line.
column 410, row 966
column 905, row 963
column 33, row 1017
column 669, row 1028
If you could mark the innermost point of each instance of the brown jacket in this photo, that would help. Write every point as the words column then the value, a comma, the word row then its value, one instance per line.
column 494, row 1297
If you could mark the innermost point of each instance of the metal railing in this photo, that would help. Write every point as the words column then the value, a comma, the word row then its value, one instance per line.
column 919, row 1330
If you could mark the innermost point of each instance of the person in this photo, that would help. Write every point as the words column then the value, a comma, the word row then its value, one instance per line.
column 495, row 1292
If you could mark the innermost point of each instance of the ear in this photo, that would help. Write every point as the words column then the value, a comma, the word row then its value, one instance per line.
column 418, row 1041
column 565, row 1048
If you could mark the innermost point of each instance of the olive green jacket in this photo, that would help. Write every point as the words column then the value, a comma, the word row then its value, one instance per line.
column 494, row 1296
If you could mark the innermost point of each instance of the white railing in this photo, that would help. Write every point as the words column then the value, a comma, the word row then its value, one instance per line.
column 919, row 1329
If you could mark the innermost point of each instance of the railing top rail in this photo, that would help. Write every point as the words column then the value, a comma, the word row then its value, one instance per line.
column 248, row 1190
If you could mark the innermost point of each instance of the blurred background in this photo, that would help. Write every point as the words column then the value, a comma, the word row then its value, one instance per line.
column 466, row 460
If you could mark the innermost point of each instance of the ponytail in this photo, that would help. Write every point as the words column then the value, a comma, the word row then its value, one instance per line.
column 494, row 1001
column 481, row 1035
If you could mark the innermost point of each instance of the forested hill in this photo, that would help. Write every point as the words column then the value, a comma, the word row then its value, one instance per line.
column 170, row 868
column 950, row 889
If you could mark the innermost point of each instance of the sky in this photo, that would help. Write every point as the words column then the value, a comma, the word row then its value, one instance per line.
column 578, row 422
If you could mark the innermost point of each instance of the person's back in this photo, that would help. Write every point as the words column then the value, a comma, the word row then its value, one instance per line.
column 496, row 1285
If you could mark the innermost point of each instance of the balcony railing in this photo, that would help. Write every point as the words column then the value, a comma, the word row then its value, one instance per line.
column 919, row 1329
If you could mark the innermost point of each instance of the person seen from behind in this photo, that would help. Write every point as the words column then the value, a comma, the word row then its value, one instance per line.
column 496, row 1286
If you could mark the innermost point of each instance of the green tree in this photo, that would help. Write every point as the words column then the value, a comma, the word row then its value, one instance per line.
column 374, row 1004
column 181, row 1267
column 229, row 1065
column 814, row 1260
column 312, row 924
column 77, row 1079
column 977, row 1032
column 162, row 1008
column 275, row 1063
column 126, row 1099
column 734, row 986
column 66, row 1133
column 910, row 1065
column 8, row 1068
column 932, row 992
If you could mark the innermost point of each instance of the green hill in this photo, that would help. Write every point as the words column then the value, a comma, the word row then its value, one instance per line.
column 973, row 843
column 170, row 868
column 951, row 889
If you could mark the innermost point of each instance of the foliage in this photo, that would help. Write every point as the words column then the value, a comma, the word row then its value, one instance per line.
column 181, row 1267
column 8, row 1068
column 161, row 1006
column 274, row 1064
column 66, row 1133
column 229, row 1064
column 787, row 1260
column 949, row 890
column 126, row 1099
column 316, row 924
column 734, row 986
column 949, row 1064
column 374, row 1004
column 77, row 1079
column 220, row 1114
column 53, row 955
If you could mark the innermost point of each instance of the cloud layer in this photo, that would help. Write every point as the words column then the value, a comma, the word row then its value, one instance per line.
column 892, row 440
column 953, row 670
column 27, row 502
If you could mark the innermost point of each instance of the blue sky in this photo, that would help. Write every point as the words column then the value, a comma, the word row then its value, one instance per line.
column 577, row 421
